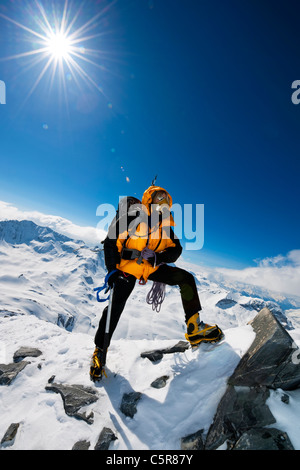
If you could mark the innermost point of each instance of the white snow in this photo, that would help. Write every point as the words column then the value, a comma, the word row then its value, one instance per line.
column 42, row 277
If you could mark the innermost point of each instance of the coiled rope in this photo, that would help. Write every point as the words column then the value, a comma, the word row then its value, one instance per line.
column 156, row 295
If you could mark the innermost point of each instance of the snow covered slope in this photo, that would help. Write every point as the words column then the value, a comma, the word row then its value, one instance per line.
column 48, row 275
column 47, row 302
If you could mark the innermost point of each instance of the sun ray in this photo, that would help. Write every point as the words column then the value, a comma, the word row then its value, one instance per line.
column 87, row 38
column 53, row 73
column 73, row 74
column 86, row 27
column 82, row 72
column 85, row 59
column 41, row 76
column 16, row 23
column 46, row 27
column 73, row 21
column 44, row 70
column 64, row 17
column 25, row 54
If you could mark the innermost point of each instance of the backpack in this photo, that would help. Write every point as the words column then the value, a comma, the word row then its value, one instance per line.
column 128, row 211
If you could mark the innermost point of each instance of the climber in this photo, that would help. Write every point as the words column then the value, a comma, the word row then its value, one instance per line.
column 143, row 252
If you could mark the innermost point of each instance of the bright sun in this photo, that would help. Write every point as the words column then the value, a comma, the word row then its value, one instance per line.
column 59, row 46
column 59, row 41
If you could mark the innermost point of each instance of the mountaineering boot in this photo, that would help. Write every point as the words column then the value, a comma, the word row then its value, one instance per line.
column 97, row 370
column 198, row 331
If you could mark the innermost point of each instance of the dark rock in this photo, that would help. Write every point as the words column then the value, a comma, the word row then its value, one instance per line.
column 89, row 280
column 9, row 436
column 264, row 439
column 75, row 397
column 226, row 303
column 181, row 346
column 269, row 360
column 24, row 351
column 8, row 372
column 160, row 382
column 129, row 402
column 285, row 398
column 105, row 438
column 153, row 356
column 242, row 414
column 81, row 445
column 157, row 354
column 240, row 409
column 66, row 321
column 193, row 441
column 8, row 313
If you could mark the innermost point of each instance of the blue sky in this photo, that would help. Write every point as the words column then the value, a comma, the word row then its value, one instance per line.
column 196, row 91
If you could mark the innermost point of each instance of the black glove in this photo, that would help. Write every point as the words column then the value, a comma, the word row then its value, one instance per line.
column 112, row 279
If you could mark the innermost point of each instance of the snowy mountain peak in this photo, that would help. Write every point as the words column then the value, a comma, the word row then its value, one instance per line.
column 47, row 274
column 17, row 232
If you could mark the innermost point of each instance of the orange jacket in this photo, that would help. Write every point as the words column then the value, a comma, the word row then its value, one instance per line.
column 155, row 238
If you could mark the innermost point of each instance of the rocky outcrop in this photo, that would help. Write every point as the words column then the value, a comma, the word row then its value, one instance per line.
column 105, row 438
column 75, row 397
column 264, row 439
column 25, row 351
column 8, row 372
column 193, row 441
column 157, row 354
column 81, row 445
column 129, row 403
column 271, row 362
column 240, row 410
column 160, row 382
column 9, row 437
column 66, row 320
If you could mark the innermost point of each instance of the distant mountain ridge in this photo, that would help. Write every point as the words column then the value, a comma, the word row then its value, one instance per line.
column 75, row 269
column 25, row 231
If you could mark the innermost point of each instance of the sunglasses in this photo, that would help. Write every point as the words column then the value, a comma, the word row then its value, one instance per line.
column 160, row 197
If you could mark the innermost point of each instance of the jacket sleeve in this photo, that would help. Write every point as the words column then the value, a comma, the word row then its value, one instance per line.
column 171, row 254
column 111, row 253
column 117, row 233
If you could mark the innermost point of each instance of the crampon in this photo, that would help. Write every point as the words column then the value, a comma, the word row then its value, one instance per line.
column 199, row 332
column 97, row 370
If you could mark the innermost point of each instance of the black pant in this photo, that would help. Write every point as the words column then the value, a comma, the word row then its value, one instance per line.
column 166, row 274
